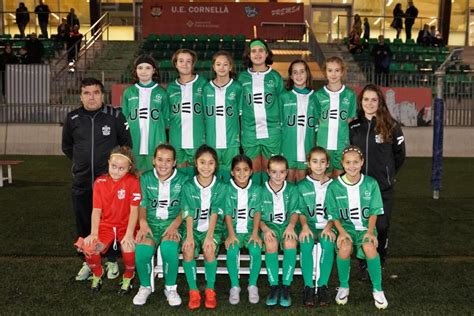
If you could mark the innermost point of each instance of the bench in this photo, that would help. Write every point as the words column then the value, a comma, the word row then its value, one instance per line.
column 9, row 164
column 157, row 270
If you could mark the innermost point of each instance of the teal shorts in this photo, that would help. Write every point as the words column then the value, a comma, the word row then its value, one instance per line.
column 144, row 162
column 159, row 229
column 278, row 231
column 199, row 238
column 243, row 239
column 225, row 157
column 185, row 155
column 357, row 242
column 335, row 159
column 267, row 147
column 292, row 164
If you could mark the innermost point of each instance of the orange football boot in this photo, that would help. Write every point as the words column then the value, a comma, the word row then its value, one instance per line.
column 194, row 299
column 210, row 301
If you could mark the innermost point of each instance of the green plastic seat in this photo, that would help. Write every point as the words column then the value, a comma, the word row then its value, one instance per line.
column 409, row 68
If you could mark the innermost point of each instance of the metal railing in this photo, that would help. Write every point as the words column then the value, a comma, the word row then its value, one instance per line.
column 313, row 45
column 89, row 38
column 10, row 26
column 382, row 25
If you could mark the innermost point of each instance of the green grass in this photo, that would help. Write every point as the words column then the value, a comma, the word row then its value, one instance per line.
column 430, row 247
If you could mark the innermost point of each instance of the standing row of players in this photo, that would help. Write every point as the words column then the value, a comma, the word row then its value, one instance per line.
column 255, row 112
column 167, row 204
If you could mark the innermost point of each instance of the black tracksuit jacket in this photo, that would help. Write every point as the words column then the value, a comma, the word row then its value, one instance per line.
column 88, row 138
column 382, row 159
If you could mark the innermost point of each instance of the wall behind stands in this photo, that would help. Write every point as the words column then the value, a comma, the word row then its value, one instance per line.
column 45, row 139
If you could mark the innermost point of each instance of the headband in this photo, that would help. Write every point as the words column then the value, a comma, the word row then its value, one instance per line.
column 353, row 148
column 121, row 155
column 145, row 59
column 258, row 43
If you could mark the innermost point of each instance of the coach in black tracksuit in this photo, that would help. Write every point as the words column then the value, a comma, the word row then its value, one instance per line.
column 89, row 134
column 381, row 140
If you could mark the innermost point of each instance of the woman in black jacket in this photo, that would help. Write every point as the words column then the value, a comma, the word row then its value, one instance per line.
column 397, row 22
column 380, row 137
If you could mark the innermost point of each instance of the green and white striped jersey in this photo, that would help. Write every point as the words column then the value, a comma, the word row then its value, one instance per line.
column 242, row 204
column 200, row 202
column 298, row 119
column 260, row 112
column 277, row 207
column 162, row 199
column 186, row 116
column 222, row 106
column 334, row 111
column 312, row 196
column 352, row 205
column 147, row 111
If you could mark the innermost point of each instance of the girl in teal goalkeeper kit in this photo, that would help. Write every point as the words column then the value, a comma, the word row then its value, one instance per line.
column 353, row 201
column 243, row 211
column 315, row 226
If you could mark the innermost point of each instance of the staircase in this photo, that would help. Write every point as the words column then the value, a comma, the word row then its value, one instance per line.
column 354, row 75
column 467, row 56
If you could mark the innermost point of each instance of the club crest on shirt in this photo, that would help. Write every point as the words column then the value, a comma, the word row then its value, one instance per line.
column 232, row 96
column 121, row 194
column 378, row 139
column 177, row 188
column 367, row 195
column 158, row 98
column 106, row 130
column 345, row 101
column 271, row 83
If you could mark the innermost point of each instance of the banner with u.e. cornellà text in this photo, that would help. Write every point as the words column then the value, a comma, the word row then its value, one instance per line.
column 223, row 18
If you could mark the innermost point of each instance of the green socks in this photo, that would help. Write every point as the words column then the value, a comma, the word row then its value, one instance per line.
column 343, row 269
column 170, row 255
column 307, row 262
column 190, row 271
column 255, row 253
column 232, row 257
column 289, row 263
column 326, row 261
column 210, row 269
column 375, row 272
column 271, row 262
column 143, row 255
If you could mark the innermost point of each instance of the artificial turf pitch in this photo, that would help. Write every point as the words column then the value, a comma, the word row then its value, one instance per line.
column 430, row 269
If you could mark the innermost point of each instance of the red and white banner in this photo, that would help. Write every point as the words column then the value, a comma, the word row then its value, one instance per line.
column 220, row 17
column 409, row 106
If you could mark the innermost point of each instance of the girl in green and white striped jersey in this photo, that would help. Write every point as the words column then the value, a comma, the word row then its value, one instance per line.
column 222, row 100
column 298, row 119
column 261, row 126
column 145, row 106
column 315, row 226
column 203, row 198
column 242, row 218
column 160, row 219
column 336, row 109
column 280, row 210
column 353, row 201
column 186, row 115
